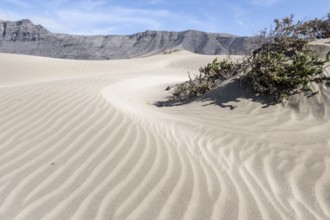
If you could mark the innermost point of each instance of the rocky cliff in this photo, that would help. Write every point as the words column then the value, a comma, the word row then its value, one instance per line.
column 23, row 37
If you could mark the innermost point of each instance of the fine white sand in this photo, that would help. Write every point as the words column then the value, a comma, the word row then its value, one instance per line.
column 84, row 140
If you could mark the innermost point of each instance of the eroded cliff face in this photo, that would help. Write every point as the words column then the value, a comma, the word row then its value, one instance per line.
column 23, row 30
column 23, row 37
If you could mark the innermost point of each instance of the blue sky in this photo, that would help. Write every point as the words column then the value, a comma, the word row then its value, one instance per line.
column 240, row 17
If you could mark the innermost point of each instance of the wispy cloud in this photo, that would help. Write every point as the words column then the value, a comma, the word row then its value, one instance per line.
column 9, row 16
column 46, row 22
column 240, row 16
column 116, row 18
column 126, row 16
column 93, row 4
column 152, row 2
column 93, row 17
column 264, row 2
column 19, row 3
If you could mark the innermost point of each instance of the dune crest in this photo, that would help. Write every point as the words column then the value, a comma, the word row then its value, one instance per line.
column 84, row 140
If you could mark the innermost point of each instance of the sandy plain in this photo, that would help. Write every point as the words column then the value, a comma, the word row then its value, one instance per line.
column 85, row 140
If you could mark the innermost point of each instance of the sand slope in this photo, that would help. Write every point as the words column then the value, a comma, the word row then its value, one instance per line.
column 83, row 140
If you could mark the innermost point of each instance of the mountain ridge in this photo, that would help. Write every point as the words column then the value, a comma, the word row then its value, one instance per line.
column 24, row 37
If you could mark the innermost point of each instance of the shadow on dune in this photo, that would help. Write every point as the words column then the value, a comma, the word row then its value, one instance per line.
column 231, row 92
column 227, row 95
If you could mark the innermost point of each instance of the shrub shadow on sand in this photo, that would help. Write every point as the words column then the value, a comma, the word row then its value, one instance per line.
column 226, row 95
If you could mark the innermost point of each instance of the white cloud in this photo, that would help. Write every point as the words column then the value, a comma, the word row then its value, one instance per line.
column 46, row 22
column 116, row 18
column 19, row 3
column 93, row 4
column 264, row 2
column 115, row 15
column 9, row 16
column 94, row 17
column 151, row 2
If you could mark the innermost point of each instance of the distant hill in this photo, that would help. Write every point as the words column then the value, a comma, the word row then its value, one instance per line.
column 24, row 37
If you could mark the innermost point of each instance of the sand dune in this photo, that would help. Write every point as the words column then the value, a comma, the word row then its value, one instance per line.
column 84, row 140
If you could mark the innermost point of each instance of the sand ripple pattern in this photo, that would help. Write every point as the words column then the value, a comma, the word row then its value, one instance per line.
column 84, row 141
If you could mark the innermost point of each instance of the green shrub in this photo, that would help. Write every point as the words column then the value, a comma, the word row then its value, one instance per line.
column 281, row 76
column 219, row 70
column 315, row 28
column 210, row 76
column 282, row 65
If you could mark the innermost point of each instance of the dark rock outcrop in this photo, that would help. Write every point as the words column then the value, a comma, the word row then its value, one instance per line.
column 23, row 37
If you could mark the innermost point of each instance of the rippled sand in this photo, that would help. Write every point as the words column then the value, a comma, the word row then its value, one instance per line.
column 84, row 140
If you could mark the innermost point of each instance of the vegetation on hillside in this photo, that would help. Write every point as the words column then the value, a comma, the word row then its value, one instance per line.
column 282, row 65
